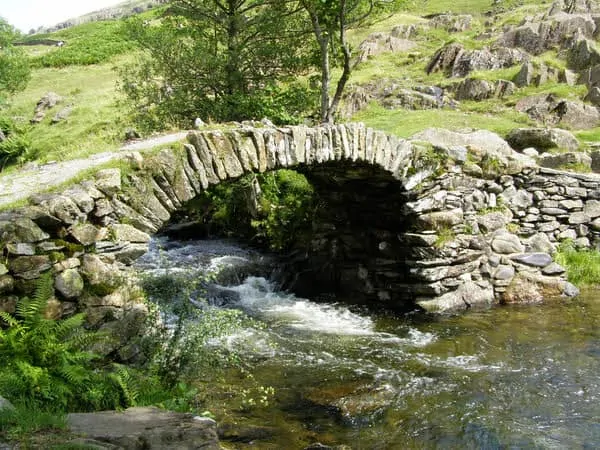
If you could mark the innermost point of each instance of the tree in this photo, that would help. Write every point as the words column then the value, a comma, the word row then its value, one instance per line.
column 219, row 59
column 14, row 68
column 330, row 21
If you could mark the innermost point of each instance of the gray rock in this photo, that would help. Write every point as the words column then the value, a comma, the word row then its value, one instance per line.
column 21, row 249
column 553, row 269
column 592, row 208
column 62, row 115
column 378, row 43
column 542, row 139
column 452, row 23
column 125, row 232
column 69, row 283
column 48, row 101
column 21, row 230
column 467, row 295
column 108, row 181
column 583, row 54
column 504, row 272
column 570, row 290
column 507, row 243
column 3, row 269
column 533, row 259
column 567, row 234
column 29, row 267
column 149, row 428
column 492, row 221
column 577, row 218
column 87, row 234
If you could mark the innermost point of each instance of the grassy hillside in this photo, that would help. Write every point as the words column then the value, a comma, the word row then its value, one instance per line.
column 83, row 73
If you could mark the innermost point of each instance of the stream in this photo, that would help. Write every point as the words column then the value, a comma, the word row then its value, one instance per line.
column 506, row 378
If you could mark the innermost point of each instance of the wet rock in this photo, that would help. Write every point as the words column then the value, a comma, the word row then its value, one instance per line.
column 542, row 139
column 148, row 427
column 467, row 295
column 243, row 433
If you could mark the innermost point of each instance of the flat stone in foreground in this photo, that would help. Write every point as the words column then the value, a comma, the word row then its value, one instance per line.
column 147, row 428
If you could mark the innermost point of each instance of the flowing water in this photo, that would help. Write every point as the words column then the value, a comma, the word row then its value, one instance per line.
column 505, row 378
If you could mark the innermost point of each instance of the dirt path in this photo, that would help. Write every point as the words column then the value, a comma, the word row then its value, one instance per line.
column 27, row 181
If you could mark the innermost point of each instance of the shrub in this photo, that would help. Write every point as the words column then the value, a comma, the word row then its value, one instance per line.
column 17, row 146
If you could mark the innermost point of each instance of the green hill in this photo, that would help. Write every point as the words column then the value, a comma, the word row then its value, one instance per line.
column 390, row 89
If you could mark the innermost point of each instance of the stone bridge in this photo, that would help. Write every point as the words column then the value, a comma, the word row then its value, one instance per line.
column 444, row 220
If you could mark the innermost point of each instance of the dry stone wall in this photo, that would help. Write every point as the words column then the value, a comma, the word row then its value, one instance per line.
column 486, row 219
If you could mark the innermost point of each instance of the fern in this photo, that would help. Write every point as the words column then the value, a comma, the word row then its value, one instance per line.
column 47, row 362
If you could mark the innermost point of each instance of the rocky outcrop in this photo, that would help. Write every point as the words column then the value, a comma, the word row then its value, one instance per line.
column 476, row 89
column 148, row 428
column 451, row 22
column 455, row 61
column 48, row 101
column 549, row 110
column 378, row 43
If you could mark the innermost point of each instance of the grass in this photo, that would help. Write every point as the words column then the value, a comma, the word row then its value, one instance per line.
column 405, row 123
column 25, row 420
column 96, row 123
column 583, row 266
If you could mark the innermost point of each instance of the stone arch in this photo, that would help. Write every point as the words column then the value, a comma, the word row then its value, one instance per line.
column 89, row 233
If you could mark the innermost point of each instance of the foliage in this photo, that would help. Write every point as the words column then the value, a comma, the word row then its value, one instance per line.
column 330, row 21
column 14, row 67
column 216, row 60
column 90, row 43
column 272, row 209
column 583, row 266
column 17, row 146
column 46, row 362
column 181, row 348
column 445, row 235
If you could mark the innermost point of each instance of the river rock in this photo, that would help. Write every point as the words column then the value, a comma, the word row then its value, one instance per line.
column 507, row 243
column 148, row 427
column 69, row 283
column 533, row 259
column 468, row 294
